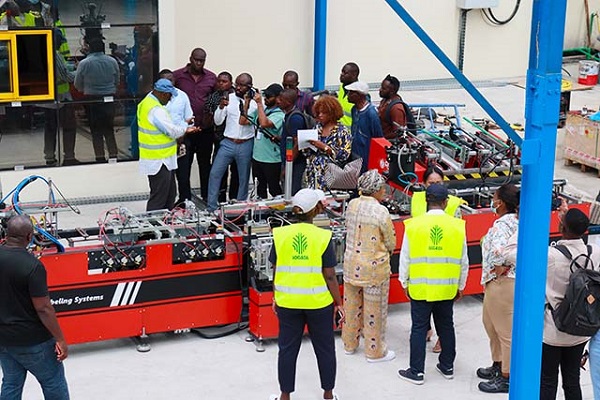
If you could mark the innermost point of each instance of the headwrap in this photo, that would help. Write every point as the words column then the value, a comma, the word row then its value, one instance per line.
column 370, row 182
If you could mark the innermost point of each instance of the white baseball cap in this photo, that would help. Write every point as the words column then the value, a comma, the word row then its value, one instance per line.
column 306, row 200
column 358, row 86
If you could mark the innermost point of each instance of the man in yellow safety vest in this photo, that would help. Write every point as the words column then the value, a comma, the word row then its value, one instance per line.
column 349, row 75
column 306, row 293
column 157, row 135
column 433, row 272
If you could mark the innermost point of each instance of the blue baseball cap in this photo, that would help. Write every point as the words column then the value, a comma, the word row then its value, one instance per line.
column 436, row 192
column 165, row 86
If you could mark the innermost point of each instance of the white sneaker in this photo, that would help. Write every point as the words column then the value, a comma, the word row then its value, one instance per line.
column 389, row 356
column 349, row 352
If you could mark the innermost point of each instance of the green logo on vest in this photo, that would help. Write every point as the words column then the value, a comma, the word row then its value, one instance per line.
column 300, row 244
column 436, row 234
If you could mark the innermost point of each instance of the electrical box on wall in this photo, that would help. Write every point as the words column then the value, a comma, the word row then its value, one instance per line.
column 470, row 4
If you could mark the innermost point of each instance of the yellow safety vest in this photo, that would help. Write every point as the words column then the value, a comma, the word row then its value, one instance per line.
column 299, row 281
column 19, row 20
column 346, row 120
column 154, row 144
column 435, row 251
column 418, row 204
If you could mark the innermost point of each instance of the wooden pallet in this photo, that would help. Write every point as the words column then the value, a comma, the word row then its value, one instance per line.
column 584, row 167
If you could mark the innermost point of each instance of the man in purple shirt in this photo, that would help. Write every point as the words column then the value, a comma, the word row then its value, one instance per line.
column 198, row 83
column 305, row 101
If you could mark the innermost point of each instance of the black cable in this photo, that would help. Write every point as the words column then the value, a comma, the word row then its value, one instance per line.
column 239, row 326
column 492, row 18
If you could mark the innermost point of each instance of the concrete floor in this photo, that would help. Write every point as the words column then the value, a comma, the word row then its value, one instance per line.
column 190, row 367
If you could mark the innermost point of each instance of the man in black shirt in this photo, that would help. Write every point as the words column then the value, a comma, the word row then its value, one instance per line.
column 30, row 336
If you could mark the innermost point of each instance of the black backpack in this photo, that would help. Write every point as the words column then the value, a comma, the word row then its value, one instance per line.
column 579, row 312
column 309, row 121
column 411, row 125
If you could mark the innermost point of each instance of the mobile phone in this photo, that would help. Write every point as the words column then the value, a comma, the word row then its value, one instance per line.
column 338, row 318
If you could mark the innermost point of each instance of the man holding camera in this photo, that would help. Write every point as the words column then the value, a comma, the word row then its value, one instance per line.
column 238, row 141
column 266, row 157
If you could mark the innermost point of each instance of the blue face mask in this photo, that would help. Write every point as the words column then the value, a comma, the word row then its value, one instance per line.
column 34, row 2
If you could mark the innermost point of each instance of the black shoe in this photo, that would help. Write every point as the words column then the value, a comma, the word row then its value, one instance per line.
column 418, row 378
column 446, row 373
column 489, row 373
column 497, row 385
column 71, row 161
column 101, row 160
column 51, row 163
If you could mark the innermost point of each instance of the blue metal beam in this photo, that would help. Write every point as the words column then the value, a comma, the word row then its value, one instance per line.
column 320, row 45
column 449, row 65
column 541, row 117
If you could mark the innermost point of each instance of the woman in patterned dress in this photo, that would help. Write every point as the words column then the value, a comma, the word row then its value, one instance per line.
column 334, row 144
column 370, row 240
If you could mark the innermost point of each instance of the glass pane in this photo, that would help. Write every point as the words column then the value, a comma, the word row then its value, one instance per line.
column 134, row 48
column 5, row 76
column 67, row 134
column 32, row 55
column 114, row 12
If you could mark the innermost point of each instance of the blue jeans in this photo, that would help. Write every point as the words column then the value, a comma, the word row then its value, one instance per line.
column 229, row 152
column 595, row 364
column 40, row 360
column 420, row 313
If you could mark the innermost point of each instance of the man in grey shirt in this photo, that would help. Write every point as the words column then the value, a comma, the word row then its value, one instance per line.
column 97, row 77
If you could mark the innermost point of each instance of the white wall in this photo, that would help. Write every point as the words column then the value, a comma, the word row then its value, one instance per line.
column 266, row 37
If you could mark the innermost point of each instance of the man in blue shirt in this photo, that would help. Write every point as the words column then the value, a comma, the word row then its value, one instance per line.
column 365, row 121
column 97, row 76
column 293, row 122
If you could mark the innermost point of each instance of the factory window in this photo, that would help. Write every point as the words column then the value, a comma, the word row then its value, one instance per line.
column 45, row 119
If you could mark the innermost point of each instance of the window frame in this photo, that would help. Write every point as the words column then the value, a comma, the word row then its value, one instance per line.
column 14, row 95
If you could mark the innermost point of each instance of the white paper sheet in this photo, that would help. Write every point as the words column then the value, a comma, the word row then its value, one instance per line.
column 304, row 135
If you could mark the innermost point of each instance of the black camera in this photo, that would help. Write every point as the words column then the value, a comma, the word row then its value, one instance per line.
column 251, row 93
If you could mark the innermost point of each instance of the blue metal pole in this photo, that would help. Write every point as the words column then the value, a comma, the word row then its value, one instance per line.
column 449, row 65
column 320, row 45
column 541, row 116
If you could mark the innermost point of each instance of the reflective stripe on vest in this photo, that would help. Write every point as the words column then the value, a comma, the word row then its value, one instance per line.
column 299, row 270
column 437, row 260
column 346, row 120
column 436, row 243
column 297, row 290
column 153, row 143
column 299, row 281
column 418, row 204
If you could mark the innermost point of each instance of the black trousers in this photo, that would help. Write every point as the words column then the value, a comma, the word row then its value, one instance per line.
column 231, row 176
column 568, row 359
column 102, row 124
column 201, row 145
column 267, row 175
column 291, row 330
column 162, row 190
column 420, row 314
column 66, row 116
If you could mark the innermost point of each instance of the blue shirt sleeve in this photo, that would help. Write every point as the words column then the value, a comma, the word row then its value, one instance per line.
column 376, row 130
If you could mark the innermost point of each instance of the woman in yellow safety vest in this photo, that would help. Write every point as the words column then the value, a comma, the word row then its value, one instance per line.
column 418, row 205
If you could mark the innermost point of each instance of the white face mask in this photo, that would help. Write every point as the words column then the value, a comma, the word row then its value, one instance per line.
column 494, row 209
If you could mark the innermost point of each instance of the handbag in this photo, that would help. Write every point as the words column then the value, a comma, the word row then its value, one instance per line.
column 343, row 177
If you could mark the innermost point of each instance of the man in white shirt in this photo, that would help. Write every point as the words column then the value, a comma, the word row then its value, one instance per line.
column 157, row 133
column 433, row 273
column 238, row 142
column 180, row 110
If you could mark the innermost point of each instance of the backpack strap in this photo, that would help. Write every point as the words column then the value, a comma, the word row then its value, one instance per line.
column 388, row 110
column 565, row 252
